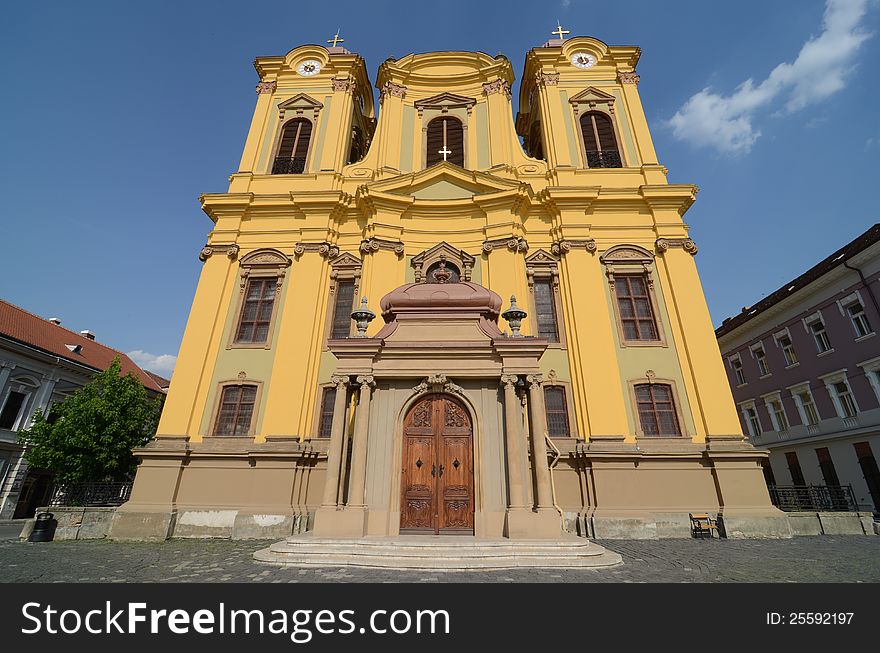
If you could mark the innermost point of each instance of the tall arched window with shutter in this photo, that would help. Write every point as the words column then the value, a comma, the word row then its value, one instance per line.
column 600, row 143
column 445, row 139
column 293, row 149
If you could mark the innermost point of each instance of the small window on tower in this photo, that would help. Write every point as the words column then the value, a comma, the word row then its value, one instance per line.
column 445, row 141
column 293, row 148
column 600, row 144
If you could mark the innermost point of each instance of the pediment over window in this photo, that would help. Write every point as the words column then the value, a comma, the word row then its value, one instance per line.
column 265, row 258
column 299, row 105
column 592, row 98
column 541, row 258
column 346, row 262
column 627, row 255
column 444, row 102
column 462, row 261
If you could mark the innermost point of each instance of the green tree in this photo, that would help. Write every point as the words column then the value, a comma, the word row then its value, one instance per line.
column 92, row 432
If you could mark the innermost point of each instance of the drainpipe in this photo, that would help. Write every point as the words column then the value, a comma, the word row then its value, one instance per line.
column 865, row 284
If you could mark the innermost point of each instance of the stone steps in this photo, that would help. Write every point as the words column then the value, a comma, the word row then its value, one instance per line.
column 449, row 553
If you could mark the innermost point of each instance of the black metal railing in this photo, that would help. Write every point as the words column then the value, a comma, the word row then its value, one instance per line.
column 604, row 159
column 286, row 166
column 818, row 498
column 91, row 494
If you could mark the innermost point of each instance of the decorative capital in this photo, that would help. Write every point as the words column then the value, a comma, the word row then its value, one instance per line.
column 546, row 79
column 366, row 380
column 392, row 89
column 324, row 249
column 560, row 247
column 344, row 84
column 663, row 244
column 339, row 380
column 514, row 244
column 509, row 380
column 628, row 77
column 208, row 251
column 266, row 87
column 497, row 86
column 535, row 379
column 375, row 244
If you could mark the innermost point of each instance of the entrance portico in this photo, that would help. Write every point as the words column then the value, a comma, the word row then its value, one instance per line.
column 483, row 467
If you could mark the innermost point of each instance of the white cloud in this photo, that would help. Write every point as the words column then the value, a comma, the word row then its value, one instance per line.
column 566, row 3
column 163, row 364
column 726, row 122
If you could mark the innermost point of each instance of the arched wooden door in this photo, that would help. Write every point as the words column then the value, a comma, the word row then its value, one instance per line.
column 437, row 488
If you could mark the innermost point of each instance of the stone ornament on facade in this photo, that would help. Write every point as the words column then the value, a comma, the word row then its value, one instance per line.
column 546, row 79
column 497, row 86
column 366, row 380
column 438, row 383
column 266, row 87
column 514, row 316
column 208, row 251
column 630, row 77
column 371, row 245
column 300, row 105
column 362, row 317
column 339, row 381
column 560, row 247
column 688, row 245
column 515, row 244
column 535, row 379
column 344, row 84
column 324, row 249
column 459, row 258
column 392, row 89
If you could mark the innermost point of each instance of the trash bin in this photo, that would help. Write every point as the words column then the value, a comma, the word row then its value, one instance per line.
column 44, row 528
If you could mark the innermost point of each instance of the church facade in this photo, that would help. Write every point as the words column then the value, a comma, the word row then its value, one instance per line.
column 442, row 319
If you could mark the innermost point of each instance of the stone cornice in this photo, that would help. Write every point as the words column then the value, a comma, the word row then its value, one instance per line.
column 564, row 246
column 371, row 245
column 677, row 197
column 324, row 249
column 513, row 243
column 662, row 245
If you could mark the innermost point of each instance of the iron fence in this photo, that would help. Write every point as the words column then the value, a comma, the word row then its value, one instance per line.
column 91, row 494
column 814, row 498
column 604, row 159
column 286, row 166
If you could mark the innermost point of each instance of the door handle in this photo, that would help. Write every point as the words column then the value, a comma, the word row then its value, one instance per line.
column 441, row 470
column 434, row 470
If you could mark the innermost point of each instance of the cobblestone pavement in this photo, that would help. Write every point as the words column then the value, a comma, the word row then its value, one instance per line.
column 804, row 559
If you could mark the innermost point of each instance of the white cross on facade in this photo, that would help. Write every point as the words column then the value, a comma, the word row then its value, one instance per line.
column 445, row 151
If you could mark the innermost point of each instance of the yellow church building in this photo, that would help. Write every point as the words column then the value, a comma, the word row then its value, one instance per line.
column 442, row 319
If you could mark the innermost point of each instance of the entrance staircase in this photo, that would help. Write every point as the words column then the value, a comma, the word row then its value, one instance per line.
column 440, row 553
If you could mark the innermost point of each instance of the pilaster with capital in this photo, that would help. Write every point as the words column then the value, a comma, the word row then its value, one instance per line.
column 538, row 431
column 337, row 435
column 513, row 427
column 357, row 486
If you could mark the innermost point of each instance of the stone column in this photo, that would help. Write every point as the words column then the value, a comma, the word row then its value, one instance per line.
column 538, row 419
column 357, row 487
column 513, row 426
column 334, row 452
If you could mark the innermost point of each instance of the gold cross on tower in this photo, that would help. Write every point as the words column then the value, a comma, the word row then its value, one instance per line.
column 336, row 39
column 561, row 32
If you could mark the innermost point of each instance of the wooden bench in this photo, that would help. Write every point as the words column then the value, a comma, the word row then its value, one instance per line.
column 702, row 525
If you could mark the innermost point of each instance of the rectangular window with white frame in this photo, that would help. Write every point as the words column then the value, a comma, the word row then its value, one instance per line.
column 872, row 373
column 777, row 412
column 803, row 398
column 841, row 394
column 783, row 340
column 761, row 359
column 737, row 367
column 816, row 327
column 753, row 423
column 856, row 313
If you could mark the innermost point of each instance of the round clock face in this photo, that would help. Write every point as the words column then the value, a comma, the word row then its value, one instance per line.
column 309, row 67
column 583, row 60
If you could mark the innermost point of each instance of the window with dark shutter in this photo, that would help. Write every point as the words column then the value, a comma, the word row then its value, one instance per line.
column 356, row 152
column 293, row 148
column 657, row 409
column 545, row 306
column 11, row 409
column 342, row 309
column 600, row 144
column 445, row 135
column 634, row 302
column 256, row 314
column 794, row 467
column 769, row 479
column 557, row 411
column 827, row 466
column 327, row 401
column 236, row 410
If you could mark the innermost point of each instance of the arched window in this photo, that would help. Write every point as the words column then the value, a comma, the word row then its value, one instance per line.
column 600, row 144
column 656, row 407
column 535, row 143
column 293, row 148
column 356, row 152
column 445, row 141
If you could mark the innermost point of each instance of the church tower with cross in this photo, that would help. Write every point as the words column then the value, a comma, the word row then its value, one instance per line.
column 454, row 310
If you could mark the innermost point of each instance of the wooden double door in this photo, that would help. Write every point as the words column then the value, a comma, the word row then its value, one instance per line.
column 437, row 487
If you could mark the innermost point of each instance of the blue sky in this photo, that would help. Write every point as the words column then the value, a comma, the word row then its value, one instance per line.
column 116, row 116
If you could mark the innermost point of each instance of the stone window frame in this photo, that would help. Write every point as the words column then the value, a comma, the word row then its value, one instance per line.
column 264, row 263
column 590, row 100
column 438, row 106
column 299, row 105
column 738, row 358
column 843, row 306
column 552, row 380
column 218, row 399
column 759, row 346
column 832, row 378
column 785, row 333
column 634, row 407
column 633, row 259
column 751, row 405
column 543, row 265
column 344, row 267
column 796, row 391
column 871, row 369
column 27, row 385
column 817, row 317
column 422, row 261
column 768, row 399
